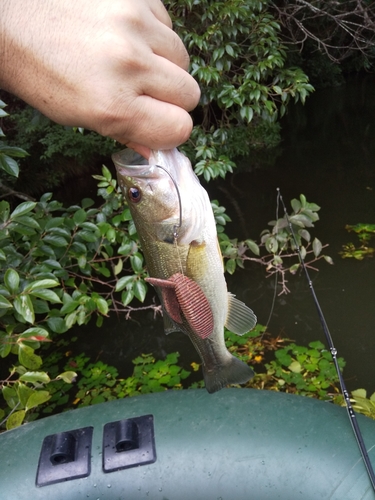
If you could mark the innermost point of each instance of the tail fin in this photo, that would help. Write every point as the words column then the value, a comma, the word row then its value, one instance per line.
column 233, row 371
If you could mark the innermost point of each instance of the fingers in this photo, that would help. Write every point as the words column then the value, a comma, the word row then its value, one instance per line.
column 160, row 12
column 153, row 125
column 160, row 79
column 166, row 43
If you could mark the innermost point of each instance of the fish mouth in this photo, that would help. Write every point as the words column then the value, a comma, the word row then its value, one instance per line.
column 130, row 163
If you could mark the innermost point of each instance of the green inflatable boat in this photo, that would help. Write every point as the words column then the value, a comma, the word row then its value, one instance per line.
column 236, row 444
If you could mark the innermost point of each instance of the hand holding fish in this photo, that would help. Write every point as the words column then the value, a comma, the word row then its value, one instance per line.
column 114, row 66
column 176, row 227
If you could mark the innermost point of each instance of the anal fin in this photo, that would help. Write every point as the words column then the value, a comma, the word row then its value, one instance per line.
column 240, row 318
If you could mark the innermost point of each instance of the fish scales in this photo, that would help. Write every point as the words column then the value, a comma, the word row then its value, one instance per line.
column 177, row 231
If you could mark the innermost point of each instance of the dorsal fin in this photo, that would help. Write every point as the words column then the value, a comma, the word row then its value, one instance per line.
column 240, row 318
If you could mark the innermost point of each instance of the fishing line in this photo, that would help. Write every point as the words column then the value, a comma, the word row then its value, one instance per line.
column 176, row 226
column 276, row 279
column 351, row 413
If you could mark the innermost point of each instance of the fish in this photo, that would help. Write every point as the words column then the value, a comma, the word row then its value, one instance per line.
column 176, row 227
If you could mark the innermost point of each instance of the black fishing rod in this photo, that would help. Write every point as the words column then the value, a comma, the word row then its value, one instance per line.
column 333, row 350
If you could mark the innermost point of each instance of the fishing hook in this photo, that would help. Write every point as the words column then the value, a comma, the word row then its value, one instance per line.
column 333, row 351
column 176, row 226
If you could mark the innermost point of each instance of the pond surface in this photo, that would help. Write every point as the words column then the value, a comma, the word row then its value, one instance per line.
column 328, row 154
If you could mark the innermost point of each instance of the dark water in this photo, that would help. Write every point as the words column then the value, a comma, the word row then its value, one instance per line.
column 328, row 154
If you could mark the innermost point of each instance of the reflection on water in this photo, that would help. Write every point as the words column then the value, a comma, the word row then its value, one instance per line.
column 327, row 153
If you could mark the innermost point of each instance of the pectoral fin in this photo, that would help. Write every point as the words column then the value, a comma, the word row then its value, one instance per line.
column 240, row 318
column 180, row 294
column 167, row 290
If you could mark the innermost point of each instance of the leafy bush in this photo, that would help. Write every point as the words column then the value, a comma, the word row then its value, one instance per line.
column 7, row 153
column 78, row 252
column 238, row 60
column 365, row 233
column 278, row 243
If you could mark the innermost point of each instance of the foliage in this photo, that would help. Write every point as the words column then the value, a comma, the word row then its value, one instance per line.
column 98, row 382
column 237, row 58
column 7, row 153
column 285, row 366
column 303, row 370
column 365, row 233
column 278, row 243
column 55, row 152
column 362, row 404
column 60, row 267
column 280, row 365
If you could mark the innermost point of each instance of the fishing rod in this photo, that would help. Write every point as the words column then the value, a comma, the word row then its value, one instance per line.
column 333, row 350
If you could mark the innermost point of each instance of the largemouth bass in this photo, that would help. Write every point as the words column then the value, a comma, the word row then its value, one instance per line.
column 177, row 230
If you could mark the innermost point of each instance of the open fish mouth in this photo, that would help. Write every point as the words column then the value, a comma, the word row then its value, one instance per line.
column 130, row 163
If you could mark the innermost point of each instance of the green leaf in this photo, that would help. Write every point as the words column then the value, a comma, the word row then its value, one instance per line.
column 230, row 266
column 47, row 295
column 361, row 393
column 295, row 367
column 5, row 346
column 136, row 262
column 68, row 377
column 27, row 221
column 46, row 283
column 37, row 399
column 70, row 319
column 253, row 247
column 9, row 165
column 127, row 296
column 296, row 205
column 4, row 303
column 15, row 419
column 12, row 280
column 24, row 306
column 125, row 281
column 55, row 241
column 118, row 267
column 24, row 392
column 22, row 209
column 79, row 216
column 10, row 396
column 28, row 358
column 102, row 305
column 328, row 259
column 57, row 325
column 140, row 290
column 317, row 247
column 35, row 377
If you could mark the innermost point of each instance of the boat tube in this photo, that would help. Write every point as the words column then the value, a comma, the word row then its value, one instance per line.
column 180, row 445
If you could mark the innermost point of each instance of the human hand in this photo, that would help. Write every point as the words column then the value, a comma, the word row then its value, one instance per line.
column 113, row 66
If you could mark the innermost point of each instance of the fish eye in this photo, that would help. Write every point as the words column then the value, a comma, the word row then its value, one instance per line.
column 134, row 194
